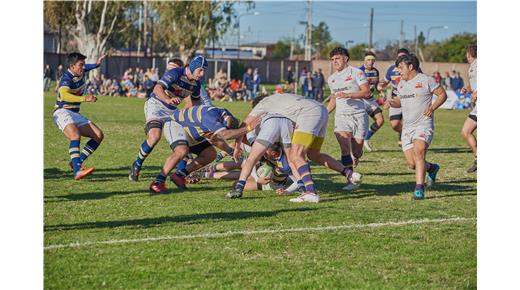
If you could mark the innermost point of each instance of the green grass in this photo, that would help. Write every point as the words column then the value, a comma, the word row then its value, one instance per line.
column 106, row 206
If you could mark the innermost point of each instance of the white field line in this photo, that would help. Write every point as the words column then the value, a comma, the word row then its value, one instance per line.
column 255, row 232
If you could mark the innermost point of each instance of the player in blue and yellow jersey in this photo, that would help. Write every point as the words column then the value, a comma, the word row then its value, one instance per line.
column 178, row 83
column 67, row 117
column 373, row 109
column 189, row 132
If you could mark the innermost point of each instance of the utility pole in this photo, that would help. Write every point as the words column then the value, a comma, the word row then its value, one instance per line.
column 140, row 24
column 415, row 38
column 401, row 40
column 144, row 35
column 371, row 29
column 292, row 45
column 308, row 33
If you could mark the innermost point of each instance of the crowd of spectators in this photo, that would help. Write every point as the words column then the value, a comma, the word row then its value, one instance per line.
column 451, row 81
column 224, row 89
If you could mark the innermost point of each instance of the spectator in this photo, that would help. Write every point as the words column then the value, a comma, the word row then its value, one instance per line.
column 290, row 78
column 301, row 80
column 57, row 76
column 256, row 83
column 232, row 89
column 318, row 82
column 247, row 81
column 446, row 81
column 437, row 77
column 47, row 77
column 456, row 81
column 148, row 86
column 307, row 86
column 155, row 75
column 132, row 91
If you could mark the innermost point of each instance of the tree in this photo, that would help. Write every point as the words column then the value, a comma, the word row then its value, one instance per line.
column 187, row 26
column 320, row 38
column 357, row 52
column 452, row 49
column 282, row 49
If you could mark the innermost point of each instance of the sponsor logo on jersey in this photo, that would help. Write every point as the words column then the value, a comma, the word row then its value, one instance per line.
column 418, row 85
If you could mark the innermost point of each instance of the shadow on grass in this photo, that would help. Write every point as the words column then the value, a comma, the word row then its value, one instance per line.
column 99, row 174
column 190, row 219
column 89, row 195
column 450, row 150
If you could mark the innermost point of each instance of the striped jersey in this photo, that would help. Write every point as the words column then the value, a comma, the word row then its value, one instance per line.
column 201, row 122
column 176, row 82
column 71, row 89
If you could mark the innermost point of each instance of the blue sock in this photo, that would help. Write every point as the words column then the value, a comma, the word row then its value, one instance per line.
column 419, row 187
column 88, row 149
column 181, row 165
column 160, row 178
column 75, row 155
column 301, row 186
column 143, row 153
column 369, row 135
column 182, row 172
column 346, row 160
column 240, row 185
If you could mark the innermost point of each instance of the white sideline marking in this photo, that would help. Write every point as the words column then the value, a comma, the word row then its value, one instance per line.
column 271, row 231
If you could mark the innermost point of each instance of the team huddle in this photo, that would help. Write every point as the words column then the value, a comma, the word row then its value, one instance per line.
column 272, row 147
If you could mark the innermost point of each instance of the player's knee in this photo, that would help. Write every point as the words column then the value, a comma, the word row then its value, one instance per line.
column 410, row 164
column 380, row 121
column 395, row 125
column 465, row 133
column 100, row 135
column 153, row 137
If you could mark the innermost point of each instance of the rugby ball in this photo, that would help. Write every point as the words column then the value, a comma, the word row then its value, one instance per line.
column 265, row 171
column 355, row 178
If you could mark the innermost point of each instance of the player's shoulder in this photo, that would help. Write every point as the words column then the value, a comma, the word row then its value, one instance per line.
column 66, row 79
column 356, row 69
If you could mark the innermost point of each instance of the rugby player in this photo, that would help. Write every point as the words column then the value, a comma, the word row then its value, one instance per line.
column 349, row 88
column 67, row 117
column 177, row 84
column 310, row 119
column 189, row 132
column 373, row 109
column 414, row 96
column 470, row 125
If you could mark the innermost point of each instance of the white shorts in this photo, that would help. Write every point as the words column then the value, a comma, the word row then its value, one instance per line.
column 175, row 134
column 474, row 111
column 357, row 124
column 395, row 113
column 63, row 117
column 155, row 110
column 313, row 121
column 274, row 130
column 371, row 105
column 421, row 132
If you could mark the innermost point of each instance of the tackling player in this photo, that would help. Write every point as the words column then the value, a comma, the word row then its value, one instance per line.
column 373, row 109
column 470, row 125
column 349, row 88
column 414, row 95
column 67, row 117
column 176, row 84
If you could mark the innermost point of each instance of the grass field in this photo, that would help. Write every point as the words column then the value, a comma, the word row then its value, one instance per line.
column 105, row 232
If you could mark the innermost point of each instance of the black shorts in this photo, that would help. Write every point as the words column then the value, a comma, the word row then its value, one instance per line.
column 396, row 117
column 197, row 149
column 473, row 117
column 375, row 112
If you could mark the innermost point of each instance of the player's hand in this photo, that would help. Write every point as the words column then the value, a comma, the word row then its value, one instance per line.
column 174, row 101
column 237, row 155
column 100, row 59
column 474, row 97
column 253, row 121
column 464, row 90
column 386, row 104
column 263, row 180
column 428, row 112
column 343, row 95
column 90, row 98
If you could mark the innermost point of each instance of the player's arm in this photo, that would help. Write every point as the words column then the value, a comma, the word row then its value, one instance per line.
column 91, row 66
column 332, row 104
column 441, row 98
column 67, row 96
column 395, row 102
column 221, row 144
column 163, row 84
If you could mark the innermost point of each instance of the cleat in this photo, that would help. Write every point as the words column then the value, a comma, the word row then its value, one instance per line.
column 192, row 179
column 306, row 197
column 234, row 194
column 431, row 177
column 350, row 186
column 134, row 173
column 83, row 173
column 418, row 195
column 158, row 187
column 473, row 167
column 180, row 181
column 72, row 167
column 367, row 146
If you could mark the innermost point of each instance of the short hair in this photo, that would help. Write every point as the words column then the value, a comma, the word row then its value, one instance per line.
column 339, row 51
column 258, row 99
column 177, row 61
column 409, row 59
column 472, row 50
column 370, row 53
column 402, row 50
column 74, row 57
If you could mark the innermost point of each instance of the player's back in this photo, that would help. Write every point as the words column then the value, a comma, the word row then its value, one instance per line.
column 288, row 105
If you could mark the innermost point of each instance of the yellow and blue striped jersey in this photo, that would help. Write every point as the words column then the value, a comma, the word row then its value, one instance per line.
column 71, row 90
column 177, row 83
column 201, row 122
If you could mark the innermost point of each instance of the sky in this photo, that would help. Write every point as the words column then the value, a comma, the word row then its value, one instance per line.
column 350, row 20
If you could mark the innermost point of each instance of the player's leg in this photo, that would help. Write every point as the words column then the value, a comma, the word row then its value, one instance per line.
column 153, row 131
column 257, row 151
column 179, row 150
column 379, row 120
column 344, row 140
column 470, row 125
column 395, row 116
column 96, row 136
column 205, row 152
column 419, row 156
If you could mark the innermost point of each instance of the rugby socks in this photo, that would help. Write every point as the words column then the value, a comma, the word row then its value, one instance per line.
column 429, row 166
column 75, row 156
column 305, row 174
column 181, row 167
column 371, row 131
column 160, row 178
column 240, row 185
column 183, row 172
column 88, row 149
column 347, row 172
column 301, row 186
column 419, row 187
column 143, row 153
column 346, row 160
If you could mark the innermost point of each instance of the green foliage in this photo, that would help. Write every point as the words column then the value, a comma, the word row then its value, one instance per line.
column 282, row 49
column 320, row 38
column 357, row 52
column 451, row 50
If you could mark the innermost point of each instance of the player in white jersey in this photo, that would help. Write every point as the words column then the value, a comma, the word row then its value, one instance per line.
column 349, row 88
column 470, row 125
column 372, row 106
column 414, row 96
column 310, row 119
